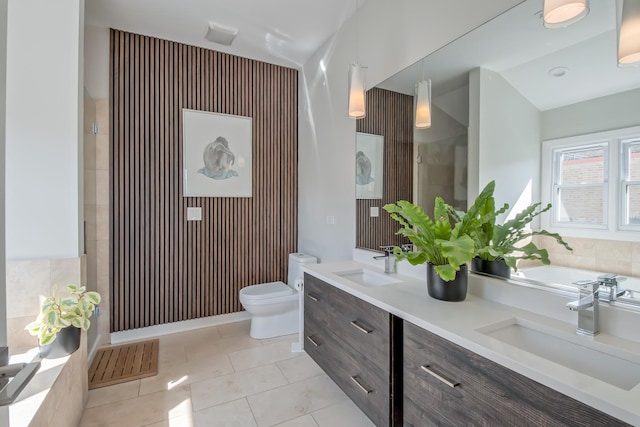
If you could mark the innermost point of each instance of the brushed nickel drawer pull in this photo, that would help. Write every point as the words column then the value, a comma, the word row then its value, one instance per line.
column 312, row 341
column 356, row 380
column 439, row 377
column 360, row 328
column 312, row 297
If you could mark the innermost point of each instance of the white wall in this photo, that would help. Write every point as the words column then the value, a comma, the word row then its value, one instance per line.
column 96, row 63
column 596, row 115
column 392, row 35
column 44, row 118
column 504, row 141
column 3, row 110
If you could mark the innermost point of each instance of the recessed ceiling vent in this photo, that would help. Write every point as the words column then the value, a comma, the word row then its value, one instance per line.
column 220, row 34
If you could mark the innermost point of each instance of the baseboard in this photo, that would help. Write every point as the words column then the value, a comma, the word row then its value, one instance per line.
column 175, row 327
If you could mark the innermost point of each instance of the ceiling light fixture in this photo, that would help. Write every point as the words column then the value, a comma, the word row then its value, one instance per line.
column 628, row 12
column 356, row 83
column 562, row 13
column 220, row 34
column 423, row 103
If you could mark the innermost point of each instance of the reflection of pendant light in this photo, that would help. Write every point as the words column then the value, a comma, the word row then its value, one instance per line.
column 628, row 32
column 423, row 103
column 356, row 83
column 561, row 13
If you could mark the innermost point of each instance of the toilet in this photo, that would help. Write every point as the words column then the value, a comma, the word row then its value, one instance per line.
column 274, row 306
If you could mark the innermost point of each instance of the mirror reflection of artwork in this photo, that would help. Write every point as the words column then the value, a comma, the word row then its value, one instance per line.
column 369, row 166
column 217, row 157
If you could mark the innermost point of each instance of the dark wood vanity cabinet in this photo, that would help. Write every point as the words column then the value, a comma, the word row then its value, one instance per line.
column 351, row 340
column 447, row 385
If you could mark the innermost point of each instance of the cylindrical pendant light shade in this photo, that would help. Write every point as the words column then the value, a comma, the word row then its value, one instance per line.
column 561, row 13
column 629, row 32
column 423, row 105
column 356, row 91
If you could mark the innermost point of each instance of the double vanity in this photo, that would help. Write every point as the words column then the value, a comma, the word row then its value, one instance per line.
column 501, row 357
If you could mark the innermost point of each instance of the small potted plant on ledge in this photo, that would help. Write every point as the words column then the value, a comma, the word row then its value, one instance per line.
column 61, row 320
column 500, row 246
column 445, row 247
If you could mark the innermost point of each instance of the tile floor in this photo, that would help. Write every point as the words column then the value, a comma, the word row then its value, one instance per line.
column 220, row 376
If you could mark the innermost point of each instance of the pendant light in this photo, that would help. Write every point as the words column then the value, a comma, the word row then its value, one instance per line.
column 628, row 32
column 562, row 13
column 356, row 83
column 423, row 103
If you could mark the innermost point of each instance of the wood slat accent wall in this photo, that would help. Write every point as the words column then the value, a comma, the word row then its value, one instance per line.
column 389, row 114
column 163, row 268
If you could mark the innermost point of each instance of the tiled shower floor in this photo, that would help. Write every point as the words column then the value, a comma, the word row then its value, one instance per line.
column 220, row 376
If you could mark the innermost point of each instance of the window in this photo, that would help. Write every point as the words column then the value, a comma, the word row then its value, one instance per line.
column 593, row 183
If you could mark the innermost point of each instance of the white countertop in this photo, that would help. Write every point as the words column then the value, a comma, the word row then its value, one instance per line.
column 459, row 322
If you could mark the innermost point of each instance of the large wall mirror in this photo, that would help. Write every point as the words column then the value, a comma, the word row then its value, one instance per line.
column 500, row 91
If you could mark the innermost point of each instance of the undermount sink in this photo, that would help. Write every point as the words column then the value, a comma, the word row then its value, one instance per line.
column 587, row 357
column 366, row 277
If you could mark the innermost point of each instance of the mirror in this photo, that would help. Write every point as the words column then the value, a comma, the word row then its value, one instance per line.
column 564, row 75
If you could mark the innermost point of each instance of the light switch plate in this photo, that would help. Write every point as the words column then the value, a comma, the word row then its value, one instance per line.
column 374, row 211
column 194, row 214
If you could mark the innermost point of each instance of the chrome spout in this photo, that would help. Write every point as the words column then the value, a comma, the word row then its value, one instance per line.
column 587, row 307
column 389, row 259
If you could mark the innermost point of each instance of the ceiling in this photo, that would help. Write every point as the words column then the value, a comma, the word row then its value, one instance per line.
column 283, row 32
column 516, row 45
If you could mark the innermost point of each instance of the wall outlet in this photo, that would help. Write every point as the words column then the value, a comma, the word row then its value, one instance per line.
column 194, row 214
column 374, row 211
column 331, row 220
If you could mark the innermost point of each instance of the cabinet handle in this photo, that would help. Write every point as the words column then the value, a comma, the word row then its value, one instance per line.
column 356, row 380
column 439, row 377
column 312, row 297
column 361, row 328
column 312, row 341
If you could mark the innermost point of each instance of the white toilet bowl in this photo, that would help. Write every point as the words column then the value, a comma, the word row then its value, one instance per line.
column 274, row 306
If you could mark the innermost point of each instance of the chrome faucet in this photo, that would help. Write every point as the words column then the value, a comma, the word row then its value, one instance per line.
column 389, row 259
column 609, row 290
column 587, row 307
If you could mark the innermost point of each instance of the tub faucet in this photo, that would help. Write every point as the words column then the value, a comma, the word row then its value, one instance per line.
column 609, row 290
column 587, row 307
column 389, row 259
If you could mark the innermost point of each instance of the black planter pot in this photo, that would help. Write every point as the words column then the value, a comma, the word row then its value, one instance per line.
column 455, row 290
column 494, row 268
column 67, row 341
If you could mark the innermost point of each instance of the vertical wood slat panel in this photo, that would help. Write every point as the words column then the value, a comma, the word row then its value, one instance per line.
column 165, row 269
column 388, row 114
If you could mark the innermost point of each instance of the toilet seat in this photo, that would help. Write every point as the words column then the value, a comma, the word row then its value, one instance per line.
column 266, row 290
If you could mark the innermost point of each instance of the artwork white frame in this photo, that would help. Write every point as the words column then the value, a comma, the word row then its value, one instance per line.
column 369, row 165
column 217, row 154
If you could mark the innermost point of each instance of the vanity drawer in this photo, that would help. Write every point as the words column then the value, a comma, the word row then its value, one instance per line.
column 449, row 385
column 364, row 382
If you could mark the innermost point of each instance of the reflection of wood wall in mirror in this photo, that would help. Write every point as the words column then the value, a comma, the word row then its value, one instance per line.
column 388, row 114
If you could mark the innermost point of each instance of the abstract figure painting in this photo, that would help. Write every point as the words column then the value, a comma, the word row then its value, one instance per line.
column 369, row 165
column 217, row 157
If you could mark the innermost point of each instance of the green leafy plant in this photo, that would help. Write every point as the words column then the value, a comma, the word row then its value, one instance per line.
column 445, row 245
column 57, row 313
column 504, row 241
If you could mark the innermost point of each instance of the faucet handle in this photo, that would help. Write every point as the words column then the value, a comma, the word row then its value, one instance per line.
column 608, row 279
column 387, row 249
column 407, row 247
column 588, row 283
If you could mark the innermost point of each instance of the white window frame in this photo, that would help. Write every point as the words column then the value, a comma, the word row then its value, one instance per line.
column 623, row 182
column 614, row 230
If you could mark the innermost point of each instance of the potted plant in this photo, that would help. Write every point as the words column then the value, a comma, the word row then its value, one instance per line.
column 61, row 319
column 445, row 247
column 500, row 246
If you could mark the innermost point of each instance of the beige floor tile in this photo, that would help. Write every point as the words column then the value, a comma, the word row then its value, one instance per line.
column 232, row 414
column 114, row 393
column 289, row 338
column 231, row 387
column 299, row 368
column 205, row 349
column 182, row 421
column 345, row 414
column 235, row 328
column 191, row 337
column 182, row 373
column 304, row 421
column 139, row 411
column 263, row 355
column 294, row 400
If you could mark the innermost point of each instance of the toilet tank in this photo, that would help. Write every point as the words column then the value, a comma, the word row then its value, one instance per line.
column 296, row 262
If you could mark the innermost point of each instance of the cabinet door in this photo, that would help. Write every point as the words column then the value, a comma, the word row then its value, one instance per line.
column 447, row 385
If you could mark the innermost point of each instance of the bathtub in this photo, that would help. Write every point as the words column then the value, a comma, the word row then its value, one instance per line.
column 566, row 276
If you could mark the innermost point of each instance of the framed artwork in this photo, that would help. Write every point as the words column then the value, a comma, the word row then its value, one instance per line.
column 369, row 165
column 217, row 155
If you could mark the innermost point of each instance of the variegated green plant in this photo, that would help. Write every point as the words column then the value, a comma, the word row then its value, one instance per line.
column 57, row 313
